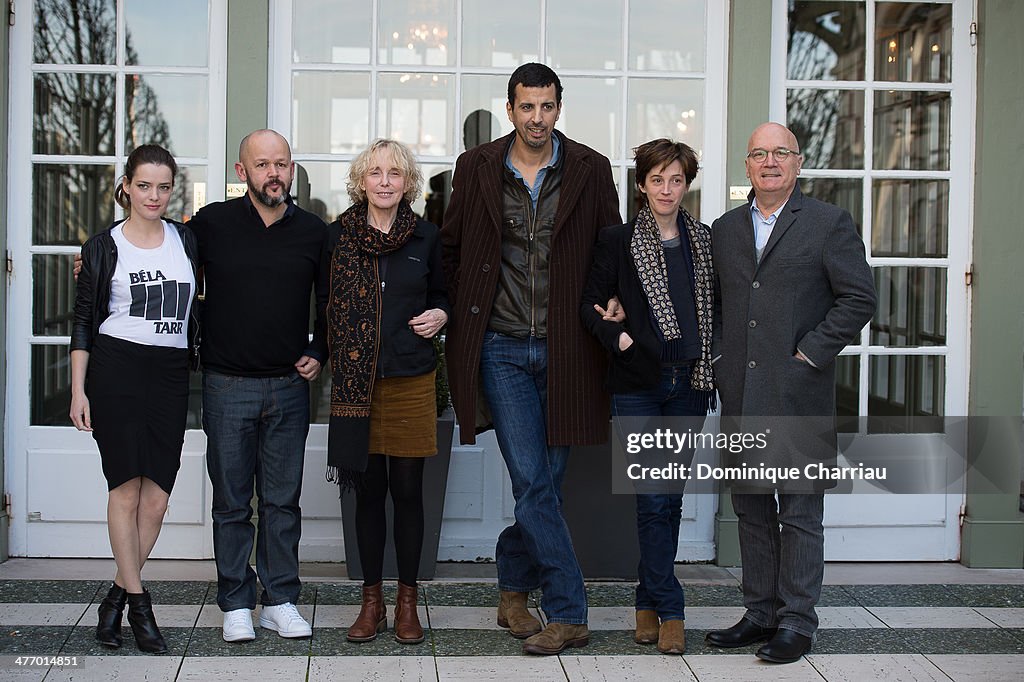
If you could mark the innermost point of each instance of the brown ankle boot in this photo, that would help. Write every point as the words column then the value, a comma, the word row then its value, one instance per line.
column 672, row 638
column 407, row 621
column 373, row 616
column 512, row 614
column 647, row 625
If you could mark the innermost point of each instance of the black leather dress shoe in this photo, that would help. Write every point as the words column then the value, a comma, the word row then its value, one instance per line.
column 741, row 634
column 785, row 647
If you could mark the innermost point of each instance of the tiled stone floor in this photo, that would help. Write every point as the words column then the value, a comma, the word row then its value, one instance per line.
column 955, row 627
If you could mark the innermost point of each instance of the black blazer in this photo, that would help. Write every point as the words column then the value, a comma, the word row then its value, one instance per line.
column 613, row 273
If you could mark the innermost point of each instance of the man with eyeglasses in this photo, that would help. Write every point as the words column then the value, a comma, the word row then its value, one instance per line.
column 794, row 289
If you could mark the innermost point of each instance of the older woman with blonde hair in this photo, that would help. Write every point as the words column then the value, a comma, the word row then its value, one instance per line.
column 387, row 301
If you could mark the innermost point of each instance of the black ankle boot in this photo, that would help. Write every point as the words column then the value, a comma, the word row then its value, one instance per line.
column 108, row 630
column 140, row 617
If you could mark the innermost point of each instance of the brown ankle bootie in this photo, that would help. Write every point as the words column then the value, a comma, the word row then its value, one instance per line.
column 672, row 638
column 372, row 618
column 647, row 625
column 407, row 621
column 512, row 614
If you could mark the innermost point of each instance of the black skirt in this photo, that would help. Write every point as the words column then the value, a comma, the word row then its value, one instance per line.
column 138, row 398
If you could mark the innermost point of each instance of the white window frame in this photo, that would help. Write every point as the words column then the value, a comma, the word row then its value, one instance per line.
column 20, row 436
column 956, row 352
column 713, row 196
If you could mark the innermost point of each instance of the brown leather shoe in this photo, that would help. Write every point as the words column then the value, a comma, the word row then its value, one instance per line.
column 372, row 618
column 672, row 637
column 407, row 621
column 513, row 614
column 646, row 626
column 556, row 638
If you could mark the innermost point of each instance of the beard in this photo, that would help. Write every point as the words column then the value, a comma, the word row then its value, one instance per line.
column 265, row 197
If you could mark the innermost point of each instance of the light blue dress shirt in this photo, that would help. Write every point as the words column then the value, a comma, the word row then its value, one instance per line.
column 538, row 182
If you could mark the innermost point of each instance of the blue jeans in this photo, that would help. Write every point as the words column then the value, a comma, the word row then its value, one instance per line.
column 256, row 430
column 657, row 516
column 535, row 551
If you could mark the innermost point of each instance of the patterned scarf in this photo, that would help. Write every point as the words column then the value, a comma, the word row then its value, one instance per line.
column 353, row 336
column 649, row 257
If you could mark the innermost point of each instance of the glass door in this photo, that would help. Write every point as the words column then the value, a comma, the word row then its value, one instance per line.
column 90, row 81
column 872, row 91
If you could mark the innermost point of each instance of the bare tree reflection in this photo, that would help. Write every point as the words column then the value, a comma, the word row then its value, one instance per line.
column 75, row 114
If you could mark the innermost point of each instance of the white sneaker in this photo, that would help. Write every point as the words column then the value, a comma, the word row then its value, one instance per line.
column 284, row 619
column 238, row 626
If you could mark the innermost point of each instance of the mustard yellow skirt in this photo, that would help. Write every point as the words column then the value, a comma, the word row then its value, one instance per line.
column 403, row 417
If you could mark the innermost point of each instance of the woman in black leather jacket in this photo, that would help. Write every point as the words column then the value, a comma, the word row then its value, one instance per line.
column 133, row 328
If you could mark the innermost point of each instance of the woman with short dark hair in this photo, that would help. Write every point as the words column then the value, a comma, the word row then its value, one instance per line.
column 659, row 267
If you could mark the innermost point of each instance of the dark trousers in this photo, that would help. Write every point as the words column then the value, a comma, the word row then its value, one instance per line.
column 782, row 549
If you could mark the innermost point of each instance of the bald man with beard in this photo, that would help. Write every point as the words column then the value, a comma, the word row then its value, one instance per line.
column 261, row 258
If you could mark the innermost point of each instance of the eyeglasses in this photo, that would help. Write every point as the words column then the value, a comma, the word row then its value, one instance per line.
column 780, row 154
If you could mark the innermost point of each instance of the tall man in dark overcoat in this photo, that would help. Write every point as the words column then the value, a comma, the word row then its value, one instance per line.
column 794, row 289
column 517, row 238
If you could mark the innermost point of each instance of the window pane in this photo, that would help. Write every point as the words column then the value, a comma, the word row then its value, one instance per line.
column 666, row 36
column 589, row 38
column 320, row 188
column 70, row 203
column 908, row 386
column 50, row 386
column 500, row 35
column 847, row 392
column 437, row 191
column 912, row 130
column 418, row 32
column 911, row 307
column 913, row 41
column 483, row 105
column 911, row 218
column 829, row 125
column 417, row 109
column 170, row 111
column 691, row 200
column 73, row 32
column 331, row 32
column 843, row 192
column 330, row 113
column 166, row 34
column 53, row 295
column 591, row 112
column 826, row 40
column 666, row 108
column 189, row 194
column 73, row 114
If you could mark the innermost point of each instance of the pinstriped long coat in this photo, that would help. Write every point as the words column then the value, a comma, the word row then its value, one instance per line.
column 471, row 251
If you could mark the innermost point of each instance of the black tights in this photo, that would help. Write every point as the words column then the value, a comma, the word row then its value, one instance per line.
column 405, row 480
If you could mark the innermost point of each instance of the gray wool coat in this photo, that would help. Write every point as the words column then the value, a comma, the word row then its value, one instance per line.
column 812, row 290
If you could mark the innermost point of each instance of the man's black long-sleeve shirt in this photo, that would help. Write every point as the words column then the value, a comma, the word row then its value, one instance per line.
column 258, row 282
